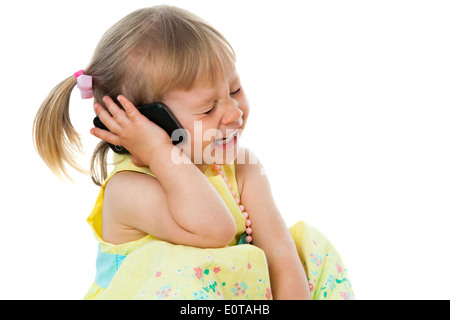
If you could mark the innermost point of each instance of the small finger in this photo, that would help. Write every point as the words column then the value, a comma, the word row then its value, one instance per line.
column 129, row 107
column 105, row 135
column 113, row 108
column 106, row 118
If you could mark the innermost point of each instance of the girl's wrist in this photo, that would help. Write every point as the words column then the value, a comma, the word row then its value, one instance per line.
column 165, row 156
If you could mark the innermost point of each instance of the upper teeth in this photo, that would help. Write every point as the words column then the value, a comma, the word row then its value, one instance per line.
column 227, row 139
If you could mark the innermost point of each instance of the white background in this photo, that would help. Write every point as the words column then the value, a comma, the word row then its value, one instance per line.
column 350, row 116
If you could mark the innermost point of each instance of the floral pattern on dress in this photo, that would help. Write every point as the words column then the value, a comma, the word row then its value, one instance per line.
column 333, row 282
column 164, row 271
column 211, row 288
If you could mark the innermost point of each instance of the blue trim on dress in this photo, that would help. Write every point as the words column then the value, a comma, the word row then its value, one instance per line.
column 107, row 265
column 242, row 240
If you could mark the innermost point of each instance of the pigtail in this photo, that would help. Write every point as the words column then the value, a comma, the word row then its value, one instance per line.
column 54, row 137
column 99, row 170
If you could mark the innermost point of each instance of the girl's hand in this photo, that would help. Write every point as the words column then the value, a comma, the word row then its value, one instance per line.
column 130, row 129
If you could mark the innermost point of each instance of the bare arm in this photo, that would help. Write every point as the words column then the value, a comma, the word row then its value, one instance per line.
column 192, row 200
column 287, row 276
column 181, row 206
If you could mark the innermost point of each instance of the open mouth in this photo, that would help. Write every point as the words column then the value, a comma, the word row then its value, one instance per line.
column 228, row 141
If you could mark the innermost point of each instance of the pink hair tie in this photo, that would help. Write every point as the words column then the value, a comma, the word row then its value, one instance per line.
column 84, row 83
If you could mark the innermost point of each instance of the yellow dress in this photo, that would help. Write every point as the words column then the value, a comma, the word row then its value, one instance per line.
column 149, row 268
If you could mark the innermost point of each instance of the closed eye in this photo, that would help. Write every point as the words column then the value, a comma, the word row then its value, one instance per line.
column 210, row 110
column 235, row 92
column 231, row 93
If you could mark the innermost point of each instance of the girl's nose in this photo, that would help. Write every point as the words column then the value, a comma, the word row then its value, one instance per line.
column 233, row 113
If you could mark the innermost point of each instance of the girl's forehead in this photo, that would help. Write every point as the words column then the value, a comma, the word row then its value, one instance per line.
column 224, row 75
column 204, row 89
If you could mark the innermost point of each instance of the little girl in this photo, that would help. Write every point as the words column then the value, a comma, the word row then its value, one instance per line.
column 191, row 221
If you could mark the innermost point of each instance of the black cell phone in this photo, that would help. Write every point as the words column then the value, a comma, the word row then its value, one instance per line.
column 158, row 113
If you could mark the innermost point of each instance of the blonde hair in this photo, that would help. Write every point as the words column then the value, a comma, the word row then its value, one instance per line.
column 142, row 56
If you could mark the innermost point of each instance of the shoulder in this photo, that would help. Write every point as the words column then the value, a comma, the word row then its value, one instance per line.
column 127, row 176
column 127, row 181
column 257, row 198
column 129, row 198
column 133, row 203
column 125, row 188
column 248, row 168
column 247, row 162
